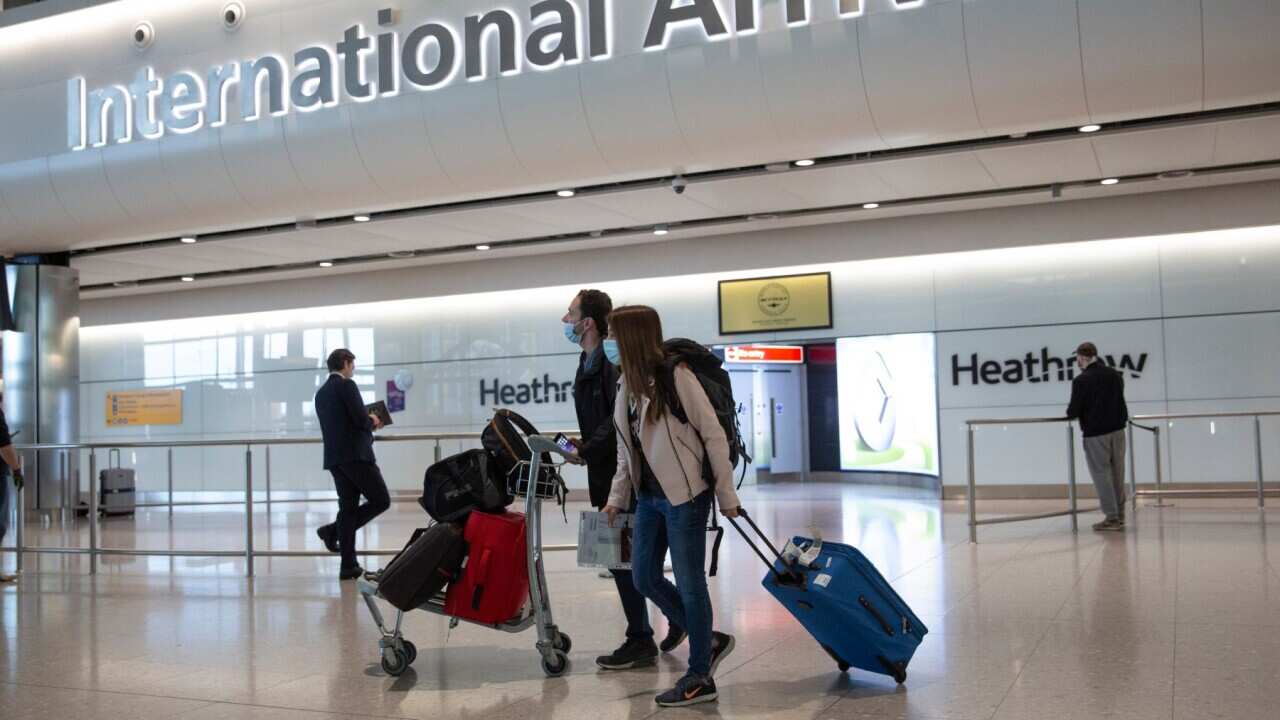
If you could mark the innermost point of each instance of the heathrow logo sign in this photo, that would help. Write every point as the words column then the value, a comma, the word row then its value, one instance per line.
column 1035, row 367
column 436, row 54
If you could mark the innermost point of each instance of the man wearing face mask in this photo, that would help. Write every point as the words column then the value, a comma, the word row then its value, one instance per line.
column 594, row 389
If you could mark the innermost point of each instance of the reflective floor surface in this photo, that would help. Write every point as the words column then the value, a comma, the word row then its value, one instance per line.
column 1179, row 618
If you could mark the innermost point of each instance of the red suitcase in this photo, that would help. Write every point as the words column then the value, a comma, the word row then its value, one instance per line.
column 495, row 582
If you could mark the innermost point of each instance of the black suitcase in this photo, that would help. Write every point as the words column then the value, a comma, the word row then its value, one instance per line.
column 117, row 488
column 459, row 484
column 430, row 561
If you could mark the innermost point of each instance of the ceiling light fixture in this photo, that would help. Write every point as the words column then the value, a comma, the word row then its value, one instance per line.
column 660, row 230
column 1111, row 181
column 482, row 248
column 870, row 206
column 188, row 240
column 804, row 163
column 188, row 278
column 566, row 193
column 361, row 218
column 326, row 264
column 1090, row 128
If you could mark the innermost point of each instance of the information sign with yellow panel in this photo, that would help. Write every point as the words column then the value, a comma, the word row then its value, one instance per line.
column 775, row 304
column 144, row 407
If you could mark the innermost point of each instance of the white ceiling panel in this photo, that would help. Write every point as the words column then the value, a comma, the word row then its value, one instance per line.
column 654, row 205
column 570, row 214
column 1246, row 141
column 422, row 233
column 837, row 185
column 1041, row 163
column 743, row 196
column 1155, row 150
column 936, row 175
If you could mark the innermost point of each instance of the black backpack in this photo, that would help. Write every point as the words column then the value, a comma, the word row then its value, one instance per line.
column 456, row 485
column 709, row 369
column 431, row 560
column 504, row 439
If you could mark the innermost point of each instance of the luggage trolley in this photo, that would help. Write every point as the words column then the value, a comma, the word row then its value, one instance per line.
column 553, row 646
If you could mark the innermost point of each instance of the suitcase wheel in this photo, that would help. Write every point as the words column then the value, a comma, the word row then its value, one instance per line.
column 897, row 670
column 844, row 666
column 556, row 667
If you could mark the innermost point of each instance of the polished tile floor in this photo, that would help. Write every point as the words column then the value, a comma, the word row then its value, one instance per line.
column 1177, row 619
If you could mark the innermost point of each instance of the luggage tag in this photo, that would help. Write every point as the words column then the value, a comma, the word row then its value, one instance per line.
column 809, row 557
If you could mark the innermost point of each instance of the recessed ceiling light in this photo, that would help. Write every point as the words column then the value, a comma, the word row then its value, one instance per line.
column 188, row 278
column 482, row 248
column 361, row 218
column 326, row 264
column 804, row 163
column 870, row 206
column 188, row 240
column 1091, row 128
column 1111, row 181
column 660, row 230
column 566, row 193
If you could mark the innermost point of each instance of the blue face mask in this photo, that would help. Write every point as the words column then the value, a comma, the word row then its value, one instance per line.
column 612, row 352
column 571, row 333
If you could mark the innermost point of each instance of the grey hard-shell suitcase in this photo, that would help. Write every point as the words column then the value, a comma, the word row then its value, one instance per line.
column 117, row 488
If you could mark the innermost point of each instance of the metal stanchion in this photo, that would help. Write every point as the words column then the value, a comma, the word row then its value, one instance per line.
column 437, row 451
column 973, row 490
column 170, row 481
column 268, row 478
column 93, row 513
column 1257, row 444
column 248, row 510
column 1071, row 477
column 20, row 532
column 1133, row 470
column 1159, row 471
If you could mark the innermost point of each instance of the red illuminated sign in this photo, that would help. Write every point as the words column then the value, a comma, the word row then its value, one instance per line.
column 765, row 354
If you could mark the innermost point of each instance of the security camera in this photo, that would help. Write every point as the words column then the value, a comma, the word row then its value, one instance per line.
column 679, row 185
column 232, row 15
column 143, row 35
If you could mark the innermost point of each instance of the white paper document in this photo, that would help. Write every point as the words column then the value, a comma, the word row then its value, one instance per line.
column 601, row 546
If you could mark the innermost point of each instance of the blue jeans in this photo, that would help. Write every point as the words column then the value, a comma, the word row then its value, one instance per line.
column 682, row 528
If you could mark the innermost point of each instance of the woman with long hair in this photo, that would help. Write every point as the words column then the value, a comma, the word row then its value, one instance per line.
column 660, row 464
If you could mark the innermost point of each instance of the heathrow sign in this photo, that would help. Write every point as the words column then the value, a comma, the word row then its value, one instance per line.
column 436, row 54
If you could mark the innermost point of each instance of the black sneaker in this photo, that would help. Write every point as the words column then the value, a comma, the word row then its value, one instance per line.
column 675, row 636
column 328, row 535
column 350, row 573
column 691, row 690
column 721, row 646
column 634, row 653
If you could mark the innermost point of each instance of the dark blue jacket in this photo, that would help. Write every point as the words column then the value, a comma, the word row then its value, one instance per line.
column 344, row 422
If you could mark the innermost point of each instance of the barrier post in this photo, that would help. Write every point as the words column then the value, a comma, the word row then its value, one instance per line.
column 248, row 510
column 1071, row 478
column 1257, row 444
column 1133, row 471
column 170, row 481
column 973, row 490
column 93, row 513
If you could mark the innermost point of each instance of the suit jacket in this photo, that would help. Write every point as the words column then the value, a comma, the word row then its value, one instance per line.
column 344, row 423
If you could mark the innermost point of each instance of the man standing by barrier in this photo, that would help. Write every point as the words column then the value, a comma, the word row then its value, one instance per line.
column 1097, row 401
column 348, row 428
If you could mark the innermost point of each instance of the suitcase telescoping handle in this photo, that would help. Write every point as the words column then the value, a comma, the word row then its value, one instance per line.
column 113, row 458
column 791, row 578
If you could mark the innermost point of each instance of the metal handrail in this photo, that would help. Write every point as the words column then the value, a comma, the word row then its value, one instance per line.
column 1134, row 422
column 249, row 553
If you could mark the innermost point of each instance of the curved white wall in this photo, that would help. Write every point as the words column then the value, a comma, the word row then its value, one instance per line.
column 946, row 70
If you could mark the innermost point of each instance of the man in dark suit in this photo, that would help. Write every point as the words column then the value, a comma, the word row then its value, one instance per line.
column 348, row 454
column 1097, row 401
column 9, row 462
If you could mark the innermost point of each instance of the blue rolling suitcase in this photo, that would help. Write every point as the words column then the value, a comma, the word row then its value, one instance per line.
column 844, row 602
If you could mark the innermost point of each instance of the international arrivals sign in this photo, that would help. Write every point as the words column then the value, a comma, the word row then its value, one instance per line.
column 435, row 54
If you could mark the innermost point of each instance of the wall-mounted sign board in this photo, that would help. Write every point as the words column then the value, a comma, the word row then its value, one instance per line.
column 776, row 304
column 144, row 407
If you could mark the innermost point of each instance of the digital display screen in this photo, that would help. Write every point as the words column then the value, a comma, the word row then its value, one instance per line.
column 888, row 401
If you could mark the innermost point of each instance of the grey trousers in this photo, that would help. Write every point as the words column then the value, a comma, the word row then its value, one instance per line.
column 1105, row 455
